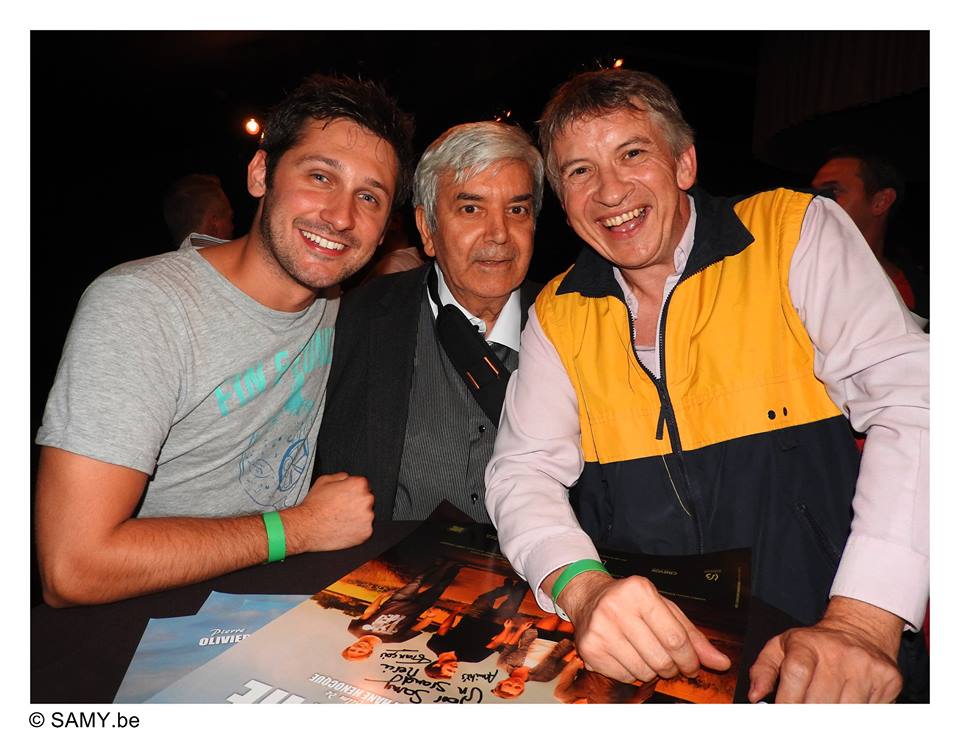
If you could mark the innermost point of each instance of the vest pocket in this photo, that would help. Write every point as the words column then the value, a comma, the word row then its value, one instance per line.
column 822, row 540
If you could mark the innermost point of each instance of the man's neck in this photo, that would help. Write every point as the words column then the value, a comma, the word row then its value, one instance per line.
column 247, row 264
column 647, row 283
column 487, row 309
column 874, row 231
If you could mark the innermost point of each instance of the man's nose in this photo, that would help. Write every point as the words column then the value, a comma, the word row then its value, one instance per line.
column 497, row 227
column 338, row 211
column 612, row 189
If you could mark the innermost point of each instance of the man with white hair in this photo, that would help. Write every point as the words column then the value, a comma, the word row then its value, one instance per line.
column 422, row 358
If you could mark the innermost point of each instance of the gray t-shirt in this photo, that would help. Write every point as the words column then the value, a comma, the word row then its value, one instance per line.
column 171, row 370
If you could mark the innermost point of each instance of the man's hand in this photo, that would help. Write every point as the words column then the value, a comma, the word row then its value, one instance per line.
column 336, row 513
column 627, row 631
column 849, row 656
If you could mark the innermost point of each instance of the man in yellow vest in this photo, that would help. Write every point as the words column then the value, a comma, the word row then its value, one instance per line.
column 692, row 377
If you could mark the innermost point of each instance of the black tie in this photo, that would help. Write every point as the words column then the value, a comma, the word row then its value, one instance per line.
column 504, row 352
column 477, row 362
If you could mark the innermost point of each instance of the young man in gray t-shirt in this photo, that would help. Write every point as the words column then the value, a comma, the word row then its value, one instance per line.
column 179, row 436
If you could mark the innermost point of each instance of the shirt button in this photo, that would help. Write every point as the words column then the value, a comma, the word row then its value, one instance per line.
column 474, row 497
column 482, row 428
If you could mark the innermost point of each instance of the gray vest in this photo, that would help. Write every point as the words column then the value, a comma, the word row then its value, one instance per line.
column 448, row 440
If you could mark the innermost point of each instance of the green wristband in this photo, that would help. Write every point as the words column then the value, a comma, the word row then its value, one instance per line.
column 575, row 569
column 276, row 538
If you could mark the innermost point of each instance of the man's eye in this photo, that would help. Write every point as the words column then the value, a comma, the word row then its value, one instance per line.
column 320, row 178
column 369, row 198
column 520, row 210
column 632, row 153
column 469, row 209
column 578, row 171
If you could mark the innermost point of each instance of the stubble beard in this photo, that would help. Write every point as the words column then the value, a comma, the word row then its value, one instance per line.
column 283, row 256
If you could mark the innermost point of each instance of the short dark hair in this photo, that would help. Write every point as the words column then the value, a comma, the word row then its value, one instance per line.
column 876, row 170
column 595, row 93
column 187, row 201
column 324, row 98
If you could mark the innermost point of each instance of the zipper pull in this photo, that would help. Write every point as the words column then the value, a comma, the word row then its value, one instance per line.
column 661, row 422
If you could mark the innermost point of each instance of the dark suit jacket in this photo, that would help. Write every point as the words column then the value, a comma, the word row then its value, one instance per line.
column 365, row 415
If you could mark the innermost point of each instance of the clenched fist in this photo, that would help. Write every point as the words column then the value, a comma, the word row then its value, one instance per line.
column 336, row 513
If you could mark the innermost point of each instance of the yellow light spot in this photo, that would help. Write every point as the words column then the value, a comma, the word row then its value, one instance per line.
column 252, row 126
column 618, row 63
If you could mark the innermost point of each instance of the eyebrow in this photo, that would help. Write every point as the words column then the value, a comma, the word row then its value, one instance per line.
column 635, row 140
column 338, row 166
column 642, row 139
column 467, row 196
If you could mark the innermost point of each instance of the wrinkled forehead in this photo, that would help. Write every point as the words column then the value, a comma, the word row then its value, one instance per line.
column 626, row 115
column 461, row 177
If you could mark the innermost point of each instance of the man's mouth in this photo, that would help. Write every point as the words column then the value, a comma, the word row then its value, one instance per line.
column 621, row 219
column 321, row 241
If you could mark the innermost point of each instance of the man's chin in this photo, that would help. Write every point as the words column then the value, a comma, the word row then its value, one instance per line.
column 320, row 280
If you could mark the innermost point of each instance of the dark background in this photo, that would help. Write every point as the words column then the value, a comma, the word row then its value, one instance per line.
column 117, row 116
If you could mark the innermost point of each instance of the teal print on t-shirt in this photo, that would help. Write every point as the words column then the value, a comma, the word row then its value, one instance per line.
column 239, row 390
column 275, row 462
column 317, row 353
column 274, row 466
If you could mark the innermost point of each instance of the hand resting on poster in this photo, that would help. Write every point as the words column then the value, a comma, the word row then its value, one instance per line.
column 626, row 630
column 849, row 656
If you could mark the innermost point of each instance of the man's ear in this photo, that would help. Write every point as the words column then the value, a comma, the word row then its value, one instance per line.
column 425, row 235
column 687, row 168
column 881, row 201
column 257, row 174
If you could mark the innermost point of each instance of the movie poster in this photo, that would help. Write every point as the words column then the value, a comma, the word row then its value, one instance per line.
column 442, row 618
column 173, row 646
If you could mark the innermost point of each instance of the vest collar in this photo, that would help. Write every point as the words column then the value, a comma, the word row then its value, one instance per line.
column 719, row 233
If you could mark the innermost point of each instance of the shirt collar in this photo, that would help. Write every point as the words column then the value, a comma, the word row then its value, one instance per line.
column 685, row 246
column 505, row 331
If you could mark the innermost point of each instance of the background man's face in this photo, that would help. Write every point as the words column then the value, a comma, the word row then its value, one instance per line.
column 327, row 205
column 842, row 176
column 484, row 236
column 221, row 222
column 623, row 190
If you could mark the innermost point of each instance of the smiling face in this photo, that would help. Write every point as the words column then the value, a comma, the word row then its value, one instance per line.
column 326, row 208
column 484, row 236
column 623, row 190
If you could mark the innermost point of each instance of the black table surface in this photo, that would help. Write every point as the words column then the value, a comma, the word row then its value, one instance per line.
column 80, row 654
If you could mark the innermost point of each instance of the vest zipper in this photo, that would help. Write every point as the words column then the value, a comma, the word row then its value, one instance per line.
column 667, row 417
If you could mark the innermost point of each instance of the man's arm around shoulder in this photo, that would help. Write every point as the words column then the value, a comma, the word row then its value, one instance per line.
column 92, row 550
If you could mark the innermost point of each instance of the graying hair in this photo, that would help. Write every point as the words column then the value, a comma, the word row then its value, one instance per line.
column 596, row 93
column 468, row 149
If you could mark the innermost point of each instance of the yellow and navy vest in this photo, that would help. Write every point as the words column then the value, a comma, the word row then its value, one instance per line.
column 737, row 444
